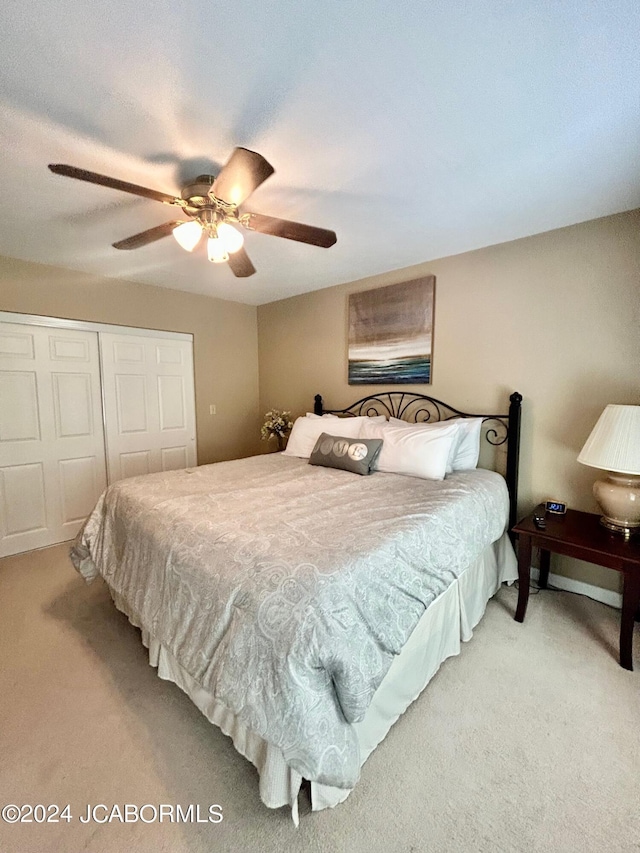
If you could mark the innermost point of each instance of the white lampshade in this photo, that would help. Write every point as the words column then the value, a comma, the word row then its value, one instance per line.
column 188, row 235
column 216, row 250
column 230, row 236
column 614, row 443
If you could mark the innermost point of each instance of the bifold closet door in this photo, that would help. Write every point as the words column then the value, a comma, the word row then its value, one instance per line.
column 149, row 404
column 52, row 459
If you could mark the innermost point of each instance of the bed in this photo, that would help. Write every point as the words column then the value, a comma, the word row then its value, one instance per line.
column 303, row 608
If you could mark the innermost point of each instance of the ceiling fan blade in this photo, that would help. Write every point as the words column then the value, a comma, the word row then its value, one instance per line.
column 243, row 172
column 291, row 230
column 149, row 236
column 113, row 183
column 240, row 264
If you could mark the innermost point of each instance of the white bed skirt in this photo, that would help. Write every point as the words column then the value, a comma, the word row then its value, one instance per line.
column 437, row 636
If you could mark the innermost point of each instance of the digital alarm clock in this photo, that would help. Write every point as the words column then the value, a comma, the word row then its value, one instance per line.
column 556, row 507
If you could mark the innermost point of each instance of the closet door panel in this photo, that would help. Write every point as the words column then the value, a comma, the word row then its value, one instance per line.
column 135, row 463
column 24, row 502
column 174, row 458
column 149, row 404
column 19, row 411
column 50, row 431
column 131, row 404
column 171, row 398
column 79, row 481
column 73, row 405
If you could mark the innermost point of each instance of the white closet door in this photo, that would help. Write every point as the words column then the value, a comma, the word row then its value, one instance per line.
column 52, row 460
column 149, row 404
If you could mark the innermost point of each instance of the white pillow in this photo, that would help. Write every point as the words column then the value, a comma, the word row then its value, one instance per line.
column 398, row 422
column 306, row 431
column 466, row 447
column 372, row 428
column 374, row 418
column 413, row 450
column 435, row 425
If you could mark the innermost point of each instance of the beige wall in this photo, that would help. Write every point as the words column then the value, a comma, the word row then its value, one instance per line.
column 225, row 340
column 555, row 316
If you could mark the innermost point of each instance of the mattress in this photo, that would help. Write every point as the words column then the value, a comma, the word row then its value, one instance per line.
column 286, row 591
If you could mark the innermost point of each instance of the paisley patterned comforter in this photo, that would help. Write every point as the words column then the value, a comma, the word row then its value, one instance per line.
column 285, row 589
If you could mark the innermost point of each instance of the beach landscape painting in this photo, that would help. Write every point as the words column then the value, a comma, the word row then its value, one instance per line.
column 391, row 334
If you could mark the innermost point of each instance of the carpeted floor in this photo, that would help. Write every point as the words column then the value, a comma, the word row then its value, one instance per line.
column 528, row 741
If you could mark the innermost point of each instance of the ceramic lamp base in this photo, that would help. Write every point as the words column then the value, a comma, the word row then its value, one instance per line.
column 619, row 499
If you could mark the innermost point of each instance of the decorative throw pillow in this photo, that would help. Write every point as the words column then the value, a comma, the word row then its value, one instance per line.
column 349, row 454
column 413, row 451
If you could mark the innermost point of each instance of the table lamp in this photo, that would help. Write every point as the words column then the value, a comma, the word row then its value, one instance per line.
column 614, row 445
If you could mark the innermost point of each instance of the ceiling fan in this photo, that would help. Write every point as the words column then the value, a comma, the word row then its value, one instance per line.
column 213, row 203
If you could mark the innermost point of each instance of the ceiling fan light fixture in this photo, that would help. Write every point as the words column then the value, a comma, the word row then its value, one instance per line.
column 230, row 236
column 216, row 250
column 212, row 202
column 188, row 235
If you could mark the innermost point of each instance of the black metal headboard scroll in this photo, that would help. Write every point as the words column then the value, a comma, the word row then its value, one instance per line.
column 418, row 408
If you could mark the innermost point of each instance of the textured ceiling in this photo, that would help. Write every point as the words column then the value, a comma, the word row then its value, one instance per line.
column 415, row 130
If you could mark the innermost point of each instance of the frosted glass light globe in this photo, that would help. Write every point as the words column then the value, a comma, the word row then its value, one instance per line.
column 188, row 235
column 230, row 236
column 216, row 250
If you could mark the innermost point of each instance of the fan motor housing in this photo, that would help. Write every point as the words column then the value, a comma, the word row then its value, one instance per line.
column 197, row 192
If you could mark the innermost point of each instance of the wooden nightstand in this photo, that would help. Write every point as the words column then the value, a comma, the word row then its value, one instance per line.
column 580, row 535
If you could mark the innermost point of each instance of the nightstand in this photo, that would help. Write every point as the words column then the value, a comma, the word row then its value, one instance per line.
column 580, row 535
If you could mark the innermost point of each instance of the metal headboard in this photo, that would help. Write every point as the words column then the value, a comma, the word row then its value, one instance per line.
column 419, row 408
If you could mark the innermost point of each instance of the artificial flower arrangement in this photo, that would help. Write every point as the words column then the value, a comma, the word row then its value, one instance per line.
column 277, row 424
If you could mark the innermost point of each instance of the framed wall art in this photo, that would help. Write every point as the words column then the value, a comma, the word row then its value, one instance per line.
column 391, row 334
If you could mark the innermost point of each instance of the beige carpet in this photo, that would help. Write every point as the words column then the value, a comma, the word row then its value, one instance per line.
column 528, row 741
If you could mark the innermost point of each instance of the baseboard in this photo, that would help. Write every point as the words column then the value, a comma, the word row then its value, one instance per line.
column 606, row 596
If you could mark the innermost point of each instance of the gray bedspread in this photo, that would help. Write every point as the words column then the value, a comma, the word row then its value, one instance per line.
column 285, row 589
